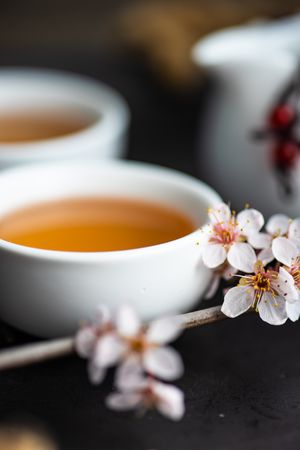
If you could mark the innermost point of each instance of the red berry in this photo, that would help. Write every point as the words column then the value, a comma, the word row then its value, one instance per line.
column 285, row 154
column 282, row 116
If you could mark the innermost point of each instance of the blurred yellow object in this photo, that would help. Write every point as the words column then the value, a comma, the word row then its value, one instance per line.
column 13, row 438
column 164, row 31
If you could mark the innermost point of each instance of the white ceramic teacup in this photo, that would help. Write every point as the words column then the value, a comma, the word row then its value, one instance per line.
column 48, row 293
column 34, row 90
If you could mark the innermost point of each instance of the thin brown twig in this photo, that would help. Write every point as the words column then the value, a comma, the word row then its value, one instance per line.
column 203, row 317
column 27, row 354
column 43, row 351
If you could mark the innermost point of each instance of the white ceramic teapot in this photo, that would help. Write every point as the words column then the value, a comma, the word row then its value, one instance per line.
column 251, row 68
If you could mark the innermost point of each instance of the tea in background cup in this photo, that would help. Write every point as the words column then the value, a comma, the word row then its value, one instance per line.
column 53, row 115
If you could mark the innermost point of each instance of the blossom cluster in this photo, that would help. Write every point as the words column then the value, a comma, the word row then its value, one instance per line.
column 142, row 359
column 266, row 263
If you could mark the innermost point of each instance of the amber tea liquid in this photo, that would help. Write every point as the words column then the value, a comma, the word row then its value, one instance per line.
column 94, row 225
column 28, row 126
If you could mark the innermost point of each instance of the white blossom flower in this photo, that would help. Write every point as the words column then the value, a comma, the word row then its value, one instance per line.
column 223, row 272
column 143, row 393
column 109, row 341
column 277, row 226
column 148, row 343
column 100, row 343
column 266, row 291
column 286, row 252
column 225, row 231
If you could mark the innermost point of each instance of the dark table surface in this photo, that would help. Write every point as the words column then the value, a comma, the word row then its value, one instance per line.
column 242, row 378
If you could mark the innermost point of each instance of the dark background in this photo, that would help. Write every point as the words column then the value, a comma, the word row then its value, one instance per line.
column 242, row 379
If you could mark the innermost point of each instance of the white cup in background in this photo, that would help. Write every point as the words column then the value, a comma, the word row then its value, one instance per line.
column 35, row 90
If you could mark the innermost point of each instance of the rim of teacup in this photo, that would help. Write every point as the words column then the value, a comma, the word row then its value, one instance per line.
column 239, row 44
column 83, row 92
column 207, row 196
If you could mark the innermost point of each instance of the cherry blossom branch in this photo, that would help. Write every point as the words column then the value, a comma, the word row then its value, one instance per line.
column 43, row 351
column 34, row 353
column 203, row 317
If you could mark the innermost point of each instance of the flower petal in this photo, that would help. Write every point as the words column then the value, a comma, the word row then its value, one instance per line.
column 204, row 235
column 127, row 321
column 84, row 341
column 265, row 256
column 284, row 251
column 237, row 300
column 102, row 315
column 294, row 229
column 260, row 240
column 278, row 224
column 124, row 402
column 272, row 309
column 228, row 272
column 164, row 330
column 285, row 285
column 219, row 214
column 293, row 310
column 170, row 400
column 250, row 221
column 296, row 242
column 108, row 350
column 163, row 362
column 129, row 376
column 96, row 373
column 213, row 255
column 242, row 257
